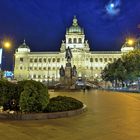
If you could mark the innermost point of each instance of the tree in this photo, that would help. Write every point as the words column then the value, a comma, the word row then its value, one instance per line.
column 114, row 72
column 34, row 97
column 124, row 69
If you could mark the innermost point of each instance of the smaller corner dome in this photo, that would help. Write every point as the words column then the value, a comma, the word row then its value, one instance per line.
column 23, row 45
column 75, row 28
column 23, row 48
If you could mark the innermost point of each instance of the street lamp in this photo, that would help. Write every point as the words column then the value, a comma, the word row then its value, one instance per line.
column 130, row 41
column 5, row 44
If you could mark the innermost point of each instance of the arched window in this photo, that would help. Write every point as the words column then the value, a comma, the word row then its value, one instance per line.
column 70, row 40
column 80, row 40
column 74, row 40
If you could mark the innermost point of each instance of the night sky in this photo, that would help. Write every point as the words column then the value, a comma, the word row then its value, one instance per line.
column 43, row 23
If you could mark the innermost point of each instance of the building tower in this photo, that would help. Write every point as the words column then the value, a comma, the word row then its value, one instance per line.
column 21, row 70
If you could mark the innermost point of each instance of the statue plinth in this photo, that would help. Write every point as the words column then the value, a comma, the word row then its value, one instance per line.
column 68, row 65
column 68, row 75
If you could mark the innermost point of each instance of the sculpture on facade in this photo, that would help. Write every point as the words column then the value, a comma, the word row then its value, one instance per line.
column 74, row 71
column 68, row 55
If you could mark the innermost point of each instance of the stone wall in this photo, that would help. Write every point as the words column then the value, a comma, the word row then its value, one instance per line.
column 41, row 116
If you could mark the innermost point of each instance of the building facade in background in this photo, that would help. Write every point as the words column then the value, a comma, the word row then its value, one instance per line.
column 44, row 66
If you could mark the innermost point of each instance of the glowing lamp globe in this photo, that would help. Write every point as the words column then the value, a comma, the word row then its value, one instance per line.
column 130, row 42
column 7, row 45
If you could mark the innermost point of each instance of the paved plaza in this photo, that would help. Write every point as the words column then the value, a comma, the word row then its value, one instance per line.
column 110, row 116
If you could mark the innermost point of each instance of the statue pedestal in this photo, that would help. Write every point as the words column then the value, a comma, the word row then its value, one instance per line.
column 68, row 75
column 62, row 80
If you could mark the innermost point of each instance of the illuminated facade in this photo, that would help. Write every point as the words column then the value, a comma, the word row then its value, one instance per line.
column 44, row 66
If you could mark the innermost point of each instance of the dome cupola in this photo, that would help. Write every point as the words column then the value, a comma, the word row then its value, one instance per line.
column 23, row 47
column 75, row 28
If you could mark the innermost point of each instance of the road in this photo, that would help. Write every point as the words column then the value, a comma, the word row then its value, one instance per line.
column 110, row 116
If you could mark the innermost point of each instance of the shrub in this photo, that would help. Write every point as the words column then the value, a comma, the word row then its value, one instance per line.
column 63, row 103
column 34, row 97
column 9, row 97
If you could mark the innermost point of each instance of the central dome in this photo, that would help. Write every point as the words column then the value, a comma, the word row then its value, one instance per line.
column 75, row 28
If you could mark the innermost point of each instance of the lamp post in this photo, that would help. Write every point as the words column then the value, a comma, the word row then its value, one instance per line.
column 130, row 41
column 5, row 44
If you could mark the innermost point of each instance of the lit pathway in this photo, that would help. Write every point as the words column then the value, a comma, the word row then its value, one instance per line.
column 110, row 116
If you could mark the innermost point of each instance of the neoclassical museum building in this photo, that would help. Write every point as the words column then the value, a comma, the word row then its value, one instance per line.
column 44, row 66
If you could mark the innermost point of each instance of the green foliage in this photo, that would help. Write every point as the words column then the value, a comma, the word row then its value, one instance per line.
column 125, row 68
column 34, row 97
column 8, row 94
column 63, row 103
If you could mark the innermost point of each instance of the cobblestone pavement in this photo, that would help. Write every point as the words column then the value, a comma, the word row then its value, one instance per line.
column 110, row 116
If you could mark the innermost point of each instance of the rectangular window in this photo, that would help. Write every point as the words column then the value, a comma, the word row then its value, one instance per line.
column 31, row 68
column 44, row 59
column 49, row 60
column 40, row 60
column 91, row 59
column 31, row 60
column 35, row 60
column 115, row 59
column 21, row 59
column 58, row 59
column 96, row 59
column 105, row 59
column 101, row 60
column 110, row 59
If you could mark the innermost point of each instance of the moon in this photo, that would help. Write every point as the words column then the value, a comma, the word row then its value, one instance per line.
column 113, row 7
